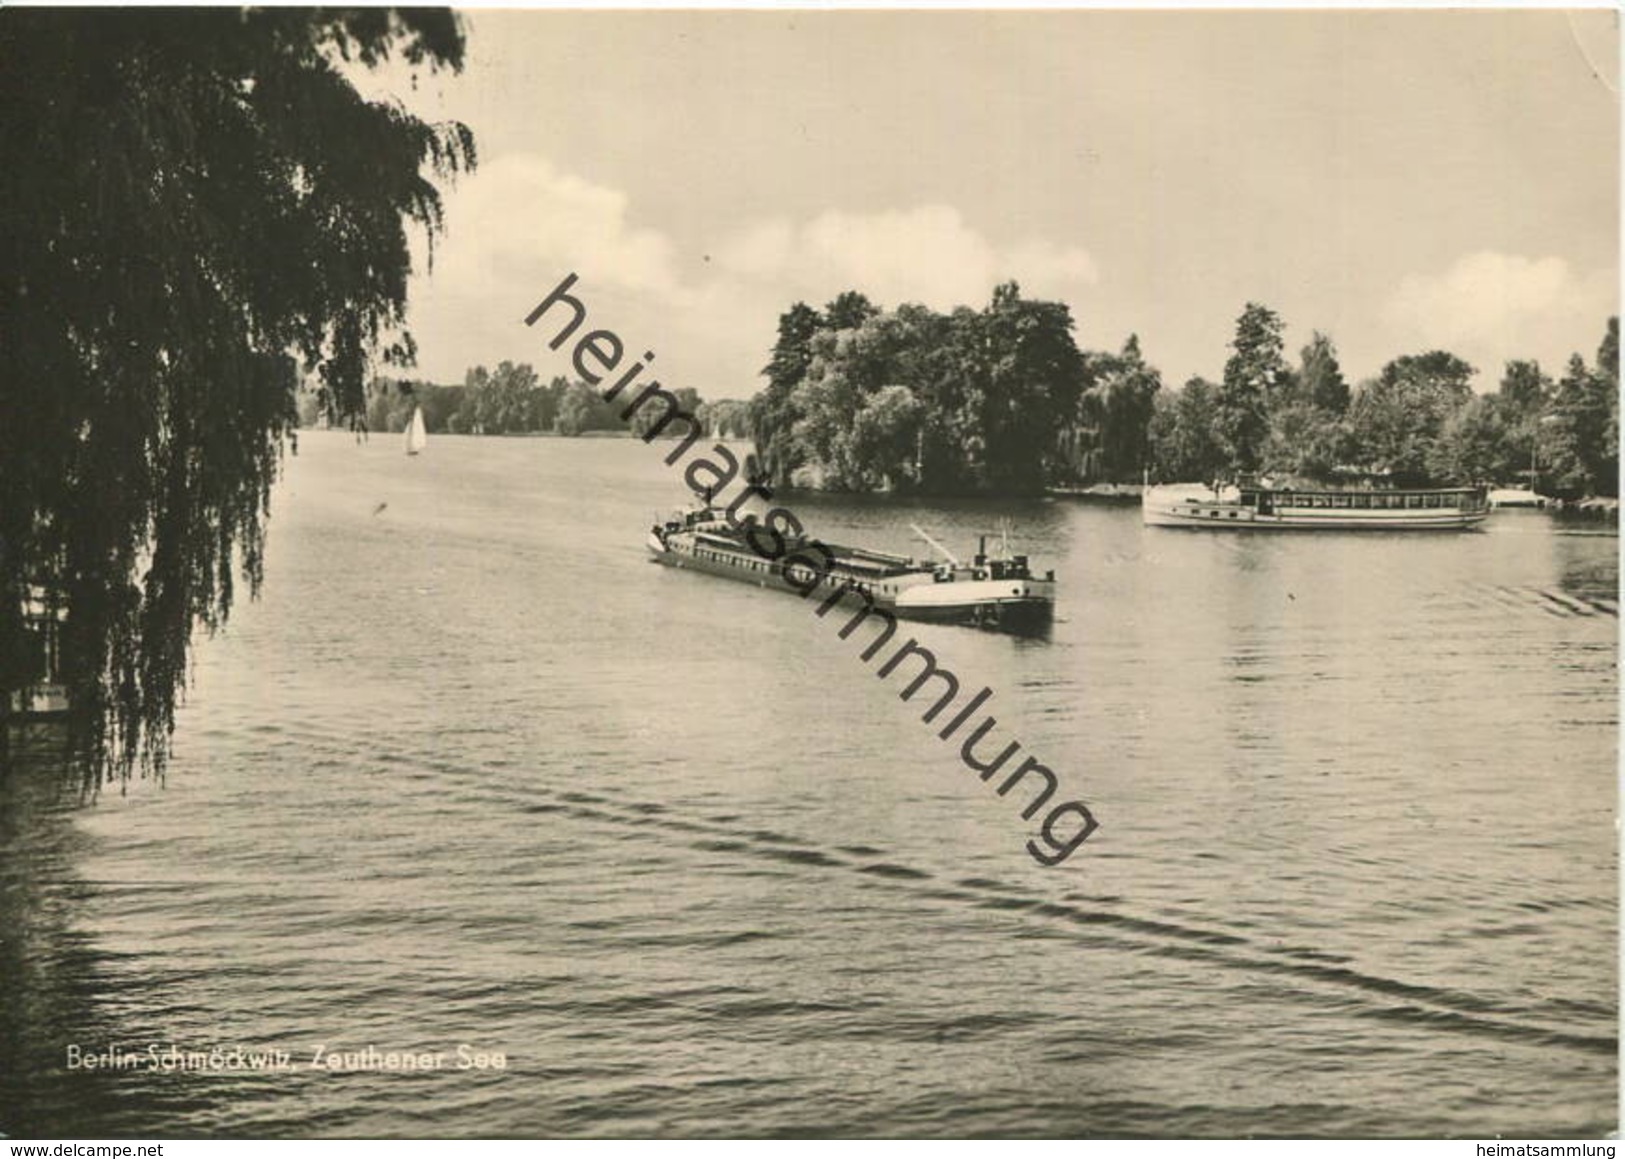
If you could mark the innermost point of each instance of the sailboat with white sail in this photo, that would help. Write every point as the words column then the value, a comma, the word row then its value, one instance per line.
column 417, row 434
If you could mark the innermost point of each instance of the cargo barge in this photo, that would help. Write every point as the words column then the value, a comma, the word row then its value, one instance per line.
column 999, row 592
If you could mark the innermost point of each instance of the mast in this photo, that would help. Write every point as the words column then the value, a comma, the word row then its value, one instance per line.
column 925, row 535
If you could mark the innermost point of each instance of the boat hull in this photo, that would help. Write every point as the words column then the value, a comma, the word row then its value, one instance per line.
column 1021, row 616
column 1021, row 606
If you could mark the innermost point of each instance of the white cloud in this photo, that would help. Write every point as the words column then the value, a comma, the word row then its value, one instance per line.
column 761, row 250
column 519, row 224
column 519, row 210
column 1489, row 307
column 927, row 254
column 515, row 229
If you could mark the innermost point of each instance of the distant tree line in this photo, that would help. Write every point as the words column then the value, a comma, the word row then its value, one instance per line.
column 1001, row 400
column 1417, row 423
column 512, row 400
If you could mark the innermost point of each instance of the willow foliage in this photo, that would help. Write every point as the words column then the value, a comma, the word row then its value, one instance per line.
column 200, row 212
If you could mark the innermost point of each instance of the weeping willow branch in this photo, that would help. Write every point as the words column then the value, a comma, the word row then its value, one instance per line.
column 200, row 213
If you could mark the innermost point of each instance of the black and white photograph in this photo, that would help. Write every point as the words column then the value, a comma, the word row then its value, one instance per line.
column 796, row 573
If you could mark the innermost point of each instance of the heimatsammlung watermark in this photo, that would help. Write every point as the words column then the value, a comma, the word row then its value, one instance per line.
column 597, row 354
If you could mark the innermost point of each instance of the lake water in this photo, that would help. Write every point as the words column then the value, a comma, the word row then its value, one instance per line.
column 473, row 772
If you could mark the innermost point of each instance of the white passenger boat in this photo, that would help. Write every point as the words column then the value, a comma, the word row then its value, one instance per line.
column 1268, row 508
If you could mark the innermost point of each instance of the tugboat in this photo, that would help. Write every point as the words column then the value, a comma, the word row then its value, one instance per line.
column 990, row 592
column 997, row 592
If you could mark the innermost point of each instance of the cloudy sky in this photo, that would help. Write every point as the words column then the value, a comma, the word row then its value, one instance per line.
column 1399, row 180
